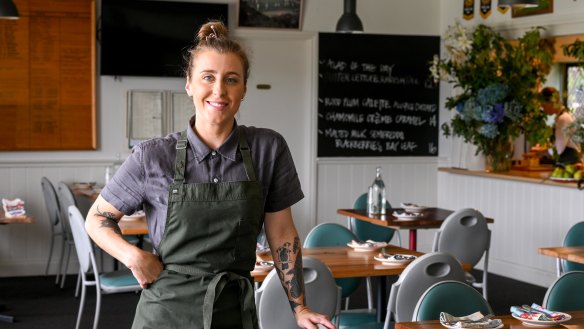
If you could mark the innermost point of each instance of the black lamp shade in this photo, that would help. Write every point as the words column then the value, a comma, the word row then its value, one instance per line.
column 349, row 21
column 8, row 10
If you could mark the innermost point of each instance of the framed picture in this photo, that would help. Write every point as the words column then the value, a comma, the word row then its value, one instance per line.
column 279, row 14
column 544, row 7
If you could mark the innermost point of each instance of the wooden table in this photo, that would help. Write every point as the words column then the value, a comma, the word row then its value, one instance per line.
column 4, row 221
column 572, row 254
column 577, row 321
column 433, row 218
column 134, row 226
column 344, row 262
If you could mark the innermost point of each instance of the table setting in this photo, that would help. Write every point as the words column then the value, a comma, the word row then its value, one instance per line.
column 474, row 320
column 535, row 315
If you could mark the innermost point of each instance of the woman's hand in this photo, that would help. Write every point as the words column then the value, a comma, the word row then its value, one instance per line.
column 146, row 267
column 306, row 318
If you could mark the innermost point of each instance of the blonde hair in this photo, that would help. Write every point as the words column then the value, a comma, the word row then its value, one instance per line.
column 215, row 35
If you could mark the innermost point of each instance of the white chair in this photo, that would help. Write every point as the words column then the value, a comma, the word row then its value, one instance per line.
column 321, row 293
column 465, row 235
column 66, row 199
column 418, row 276
column 54, row 215
column 105, row 283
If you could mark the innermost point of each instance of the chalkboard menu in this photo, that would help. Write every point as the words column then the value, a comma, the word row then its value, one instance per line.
column 375, row 95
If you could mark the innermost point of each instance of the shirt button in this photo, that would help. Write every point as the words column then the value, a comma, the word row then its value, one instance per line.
column 215, row 180
column 213, row 153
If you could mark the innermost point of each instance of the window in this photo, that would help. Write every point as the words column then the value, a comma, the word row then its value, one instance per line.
column 575, row 89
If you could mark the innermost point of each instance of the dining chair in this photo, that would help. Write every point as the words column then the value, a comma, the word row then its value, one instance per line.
column 566, row 293
column 105, row 283
column 321, row 292
column 66, row 199
column 465, row 235
column 453, row 297
column 333, row 234
column 574, row 237
column 418, row 276
column 368, row 231
column 54, row 215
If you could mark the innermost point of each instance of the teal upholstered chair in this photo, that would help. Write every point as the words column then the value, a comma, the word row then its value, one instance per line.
column 574, row 237
column 368, row 231
column 104, row 283
column 453, row 297
column 329, row 235
column 566, row 293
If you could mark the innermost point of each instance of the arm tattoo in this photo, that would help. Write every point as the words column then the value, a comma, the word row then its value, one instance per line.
column 109, row 221
column 289, row 267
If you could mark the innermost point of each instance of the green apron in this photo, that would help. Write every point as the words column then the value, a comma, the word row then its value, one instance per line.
column 208, row 251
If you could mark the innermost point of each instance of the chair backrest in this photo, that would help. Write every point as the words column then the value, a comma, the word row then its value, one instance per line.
column 330, row 235
column 321, row 294
column 566, row 293
column 465, row 235
column 574, row 237
column 453, row 297
column 51, row 201
column 82, row 242
column 418, row 276
column 66, row 199
column 368, row 231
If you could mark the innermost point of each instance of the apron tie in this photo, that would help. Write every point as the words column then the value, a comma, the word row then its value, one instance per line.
column 214, row 290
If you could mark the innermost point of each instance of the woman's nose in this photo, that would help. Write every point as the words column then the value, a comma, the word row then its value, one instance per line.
column 218, row 88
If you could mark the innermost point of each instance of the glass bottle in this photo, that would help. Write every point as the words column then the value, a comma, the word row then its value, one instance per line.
column 376, row 198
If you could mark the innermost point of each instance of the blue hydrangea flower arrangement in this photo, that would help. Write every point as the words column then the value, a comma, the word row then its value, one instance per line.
column 497, row 80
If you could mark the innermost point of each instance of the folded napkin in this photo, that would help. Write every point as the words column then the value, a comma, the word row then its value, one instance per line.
column 475, row 320
column 13, row 208
column 536, row 312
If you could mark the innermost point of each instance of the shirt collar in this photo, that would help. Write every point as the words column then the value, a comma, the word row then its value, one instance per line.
column 201, row 151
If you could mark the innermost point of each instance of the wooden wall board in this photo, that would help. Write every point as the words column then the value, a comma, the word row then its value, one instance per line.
column 47, row 76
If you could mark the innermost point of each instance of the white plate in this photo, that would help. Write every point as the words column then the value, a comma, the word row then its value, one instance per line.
column 395, row 260
column 135, row 216
column 407, row 215
column 539, row 323
column 374, row 246
column 561, row 179
column 412, row 207
column 263, row 266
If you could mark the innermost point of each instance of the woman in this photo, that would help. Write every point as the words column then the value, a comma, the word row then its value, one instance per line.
column 568, row 152
column 206, row 192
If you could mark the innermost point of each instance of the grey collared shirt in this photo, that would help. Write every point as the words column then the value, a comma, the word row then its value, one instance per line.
column 143, row 179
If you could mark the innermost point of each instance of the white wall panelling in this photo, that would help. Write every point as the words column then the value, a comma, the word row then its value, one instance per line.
column 341, row 181
column 527, row 216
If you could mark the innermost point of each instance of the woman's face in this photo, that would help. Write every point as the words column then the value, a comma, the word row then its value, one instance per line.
column 217, row 87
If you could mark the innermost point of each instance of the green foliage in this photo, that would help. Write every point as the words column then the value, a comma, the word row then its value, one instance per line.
column 498, row 80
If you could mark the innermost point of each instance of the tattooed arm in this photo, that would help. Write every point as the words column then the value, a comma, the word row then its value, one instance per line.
column 287, row 254
column 102, row 225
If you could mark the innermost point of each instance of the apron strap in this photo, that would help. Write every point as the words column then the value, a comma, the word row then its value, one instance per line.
column 181, row 158
column 246, row 298
column 246, row 155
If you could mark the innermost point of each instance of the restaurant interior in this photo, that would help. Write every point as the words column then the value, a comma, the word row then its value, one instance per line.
column 524, row 213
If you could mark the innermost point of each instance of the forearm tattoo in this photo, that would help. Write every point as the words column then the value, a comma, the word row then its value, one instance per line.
column 109, row 220
column 289, row 267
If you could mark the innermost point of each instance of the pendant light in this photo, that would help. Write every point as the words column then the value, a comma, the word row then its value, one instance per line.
column 518, row 3
column 8, row 10
column 349, row 21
